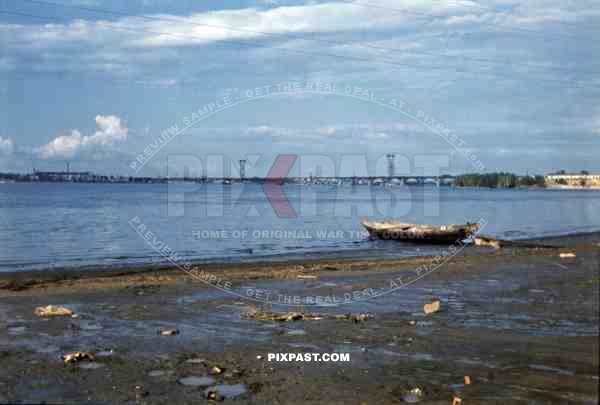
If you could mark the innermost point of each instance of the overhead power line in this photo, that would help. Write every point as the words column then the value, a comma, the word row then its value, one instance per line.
column 297, row 36
column 444, row 68
column 473, row 4
column 543, row 35
column 503, row 27
column 303, row 37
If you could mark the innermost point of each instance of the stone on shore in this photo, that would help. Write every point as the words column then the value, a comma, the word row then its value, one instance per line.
column 76, row 357
column 169, row 332
column 567, row 255
column 413, row 396
column 216, row 370
column 224, row 391
column 52, row 310
column 487, row 242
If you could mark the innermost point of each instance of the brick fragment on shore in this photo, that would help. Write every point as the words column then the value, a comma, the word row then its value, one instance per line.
column 432, row 307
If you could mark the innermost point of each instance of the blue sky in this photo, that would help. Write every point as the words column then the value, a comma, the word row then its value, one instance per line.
column 95, row 81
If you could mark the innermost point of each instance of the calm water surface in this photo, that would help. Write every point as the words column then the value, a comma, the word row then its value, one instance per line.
column 58, row 225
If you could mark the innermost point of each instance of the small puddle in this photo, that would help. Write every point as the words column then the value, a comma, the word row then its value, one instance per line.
column 228, row 391
column 105, row 353
column 91, row 366
column 186, row 300
column 48, row 349
column 157, row 373
column 412, row 356
column 196, row 361
column 541, row 367
column 304, row 346
column 197, row 381
column 16, row 330
column 476, row 362
column 327, row 284
column 89, row 326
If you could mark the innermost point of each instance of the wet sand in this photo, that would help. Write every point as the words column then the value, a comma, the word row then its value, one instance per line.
column 521, row 322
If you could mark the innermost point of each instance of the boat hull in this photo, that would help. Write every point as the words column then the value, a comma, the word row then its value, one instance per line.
column 418, row 234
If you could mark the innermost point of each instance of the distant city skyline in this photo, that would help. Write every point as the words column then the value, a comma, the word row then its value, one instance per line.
column 82, row 167
column 68, row 175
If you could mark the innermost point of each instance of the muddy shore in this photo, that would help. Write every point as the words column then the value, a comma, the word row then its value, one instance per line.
column 522, row 323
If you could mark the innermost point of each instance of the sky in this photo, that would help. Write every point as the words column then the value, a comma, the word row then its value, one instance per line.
column 95, row 82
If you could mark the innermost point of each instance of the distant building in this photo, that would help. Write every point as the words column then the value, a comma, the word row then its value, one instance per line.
column 62, row 176
column 573, row 179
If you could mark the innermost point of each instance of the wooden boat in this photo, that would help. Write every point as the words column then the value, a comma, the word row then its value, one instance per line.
column 415, row 233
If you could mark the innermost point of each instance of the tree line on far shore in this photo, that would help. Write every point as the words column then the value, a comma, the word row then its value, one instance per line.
column 498, row 180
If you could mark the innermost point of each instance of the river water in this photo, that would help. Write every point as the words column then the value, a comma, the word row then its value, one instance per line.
column 65, row 225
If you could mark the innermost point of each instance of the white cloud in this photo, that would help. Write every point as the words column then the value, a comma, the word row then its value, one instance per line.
column 87, row 45
column 171, row 30
column 251, row 23
column 356, row 133
column 109, row 131
column 62, row 146
column 293, row 134
column 374, row 137
column 327, row 131
column 268, row 2
column 157, row 83
column 7, row 146
column 165, row 30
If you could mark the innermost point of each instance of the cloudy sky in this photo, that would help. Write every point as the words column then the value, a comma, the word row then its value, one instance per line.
column 95, row 82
